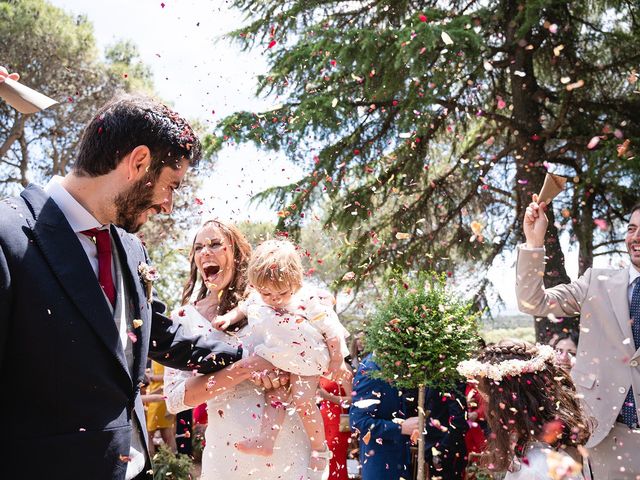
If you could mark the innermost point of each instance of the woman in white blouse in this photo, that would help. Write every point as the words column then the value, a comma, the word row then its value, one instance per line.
column 219, row 258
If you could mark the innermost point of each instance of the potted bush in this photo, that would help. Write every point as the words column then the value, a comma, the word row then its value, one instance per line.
column 419, row 334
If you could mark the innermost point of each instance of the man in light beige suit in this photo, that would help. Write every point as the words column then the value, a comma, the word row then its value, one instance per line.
column 606, row 372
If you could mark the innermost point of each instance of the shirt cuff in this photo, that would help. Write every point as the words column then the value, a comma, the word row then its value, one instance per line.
column 523, row 246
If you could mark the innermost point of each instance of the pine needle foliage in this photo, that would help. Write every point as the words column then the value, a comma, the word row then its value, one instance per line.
column 425, row 117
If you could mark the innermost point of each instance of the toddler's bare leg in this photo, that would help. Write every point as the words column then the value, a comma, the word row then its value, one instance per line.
column 270, row 424
column 303, row 397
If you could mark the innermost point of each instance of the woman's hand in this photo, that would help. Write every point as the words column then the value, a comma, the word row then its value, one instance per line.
column 221, row 322
column 263, row 373
column 271, row 379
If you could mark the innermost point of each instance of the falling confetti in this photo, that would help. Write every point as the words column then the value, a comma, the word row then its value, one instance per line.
column 476, row 227
column 593, row 143
column 446, row 38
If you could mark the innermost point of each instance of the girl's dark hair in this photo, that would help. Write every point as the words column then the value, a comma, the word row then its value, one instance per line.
column 236, row 289
column 564, row 336
column 536, row 406
column 128, row 121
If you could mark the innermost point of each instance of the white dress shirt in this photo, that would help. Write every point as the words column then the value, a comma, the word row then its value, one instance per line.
column 633, row 275
column 79, row 219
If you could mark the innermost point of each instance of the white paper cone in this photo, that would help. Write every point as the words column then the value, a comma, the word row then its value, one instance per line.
column 23, row 98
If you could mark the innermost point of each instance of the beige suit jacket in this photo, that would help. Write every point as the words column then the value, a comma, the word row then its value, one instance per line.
column 606, row 361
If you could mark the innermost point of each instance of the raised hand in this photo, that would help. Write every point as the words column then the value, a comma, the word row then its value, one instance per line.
column 5, row 74
column 535, row 223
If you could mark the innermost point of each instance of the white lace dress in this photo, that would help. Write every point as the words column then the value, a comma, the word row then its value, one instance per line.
column 293, row 339
column 234, row 416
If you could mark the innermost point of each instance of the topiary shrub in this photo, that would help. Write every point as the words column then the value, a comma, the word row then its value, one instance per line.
column 418, row 335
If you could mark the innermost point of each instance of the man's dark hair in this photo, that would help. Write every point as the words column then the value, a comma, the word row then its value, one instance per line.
column 128, row 121
column 634, row 208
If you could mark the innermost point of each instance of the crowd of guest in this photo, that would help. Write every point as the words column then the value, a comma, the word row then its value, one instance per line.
column 519, row 412
column 382, row 419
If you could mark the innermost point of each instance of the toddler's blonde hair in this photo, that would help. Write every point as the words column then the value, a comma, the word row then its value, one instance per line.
column 275, row 264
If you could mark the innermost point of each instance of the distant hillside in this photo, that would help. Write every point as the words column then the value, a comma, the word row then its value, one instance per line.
column 508, row 326
column 507, row 321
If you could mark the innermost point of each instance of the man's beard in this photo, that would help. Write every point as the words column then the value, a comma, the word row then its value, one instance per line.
column 133, row 202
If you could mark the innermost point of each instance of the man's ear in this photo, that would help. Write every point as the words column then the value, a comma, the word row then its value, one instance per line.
column 138, row 162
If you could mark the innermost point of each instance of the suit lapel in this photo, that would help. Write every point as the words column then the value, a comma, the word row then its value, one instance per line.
column 616, row 287
column 67, row 259
column 137, row 299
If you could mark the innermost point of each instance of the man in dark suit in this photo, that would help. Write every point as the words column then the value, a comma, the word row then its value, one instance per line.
column 76, row 316
column 445, row 427
column 379, row 414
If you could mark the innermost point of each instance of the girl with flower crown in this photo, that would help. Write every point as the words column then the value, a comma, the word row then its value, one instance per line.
column 536, row 421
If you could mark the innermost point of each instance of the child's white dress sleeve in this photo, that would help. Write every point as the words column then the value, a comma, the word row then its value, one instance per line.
column 319, row 310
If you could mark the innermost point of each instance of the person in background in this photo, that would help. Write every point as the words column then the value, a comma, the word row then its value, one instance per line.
column 476, row 437
column 533, row 411
column 336, row 399
column 378, row 415
column 158, row 419
column 566, row 345
column 356, row 349
column 184, row 432
column 445, row 428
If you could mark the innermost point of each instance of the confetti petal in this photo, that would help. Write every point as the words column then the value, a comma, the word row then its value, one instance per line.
column 446, row 38
column 365, row 403
column 593, row 143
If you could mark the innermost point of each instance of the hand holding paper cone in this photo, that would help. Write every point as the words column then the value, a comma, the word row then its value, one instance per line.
column 5, row 74
column 21, row 97
column 553, row 185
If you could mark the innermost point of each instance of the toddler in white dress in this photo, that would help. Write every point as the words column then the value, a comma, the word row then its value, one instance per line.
column 293, row 326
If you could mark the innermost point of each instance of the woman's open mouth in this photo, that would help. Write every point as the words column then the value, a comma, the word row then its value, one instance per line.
column 210, row 271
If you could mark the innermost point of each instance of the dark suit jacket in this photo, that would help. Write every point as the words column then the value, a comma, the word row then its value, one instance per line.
column 68, row 396
column 384, row 451
column 445, row 428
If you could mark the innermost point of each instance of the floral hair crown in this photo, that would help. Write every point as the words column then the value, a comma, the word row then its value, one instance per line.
column 508, row 368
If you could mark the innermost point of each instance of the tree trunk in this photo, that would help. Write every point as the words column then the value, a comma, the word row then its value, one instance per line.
column 24, row 162
column 584, row 227
column 530, row 153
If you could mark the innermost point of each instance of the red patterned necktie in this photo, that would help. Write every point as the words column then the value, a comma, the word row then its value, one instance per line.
column 103, row 243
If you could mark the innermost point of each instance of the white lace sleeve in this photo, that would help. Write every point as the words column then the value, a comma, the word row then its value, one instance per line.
column 174, row 388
